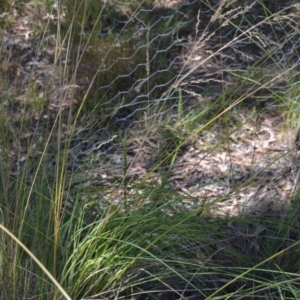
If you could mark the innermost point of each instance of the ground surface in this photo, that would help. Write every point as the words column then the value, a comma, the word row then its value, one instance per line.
column 254, row 167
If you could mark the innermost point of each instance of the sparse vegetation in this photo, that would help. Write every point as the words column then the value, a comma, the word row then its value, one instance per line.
column 146, row 150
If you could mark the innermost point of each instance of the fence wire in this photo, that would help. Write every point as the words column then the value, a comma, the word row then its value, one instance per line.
column 162, row 63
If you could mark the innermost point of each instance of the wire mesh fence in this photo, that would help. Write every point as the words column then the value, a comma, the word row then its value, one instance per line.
column 169, row 63
column 147, row 77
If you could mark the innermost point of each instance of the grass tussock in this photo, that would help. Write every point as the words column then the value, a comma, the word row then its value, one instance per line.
column 146, row 150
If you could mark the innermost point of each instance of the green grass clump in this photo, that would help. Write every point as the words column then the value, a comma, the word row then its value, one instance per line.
column 89, row 205
column 122, row 255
